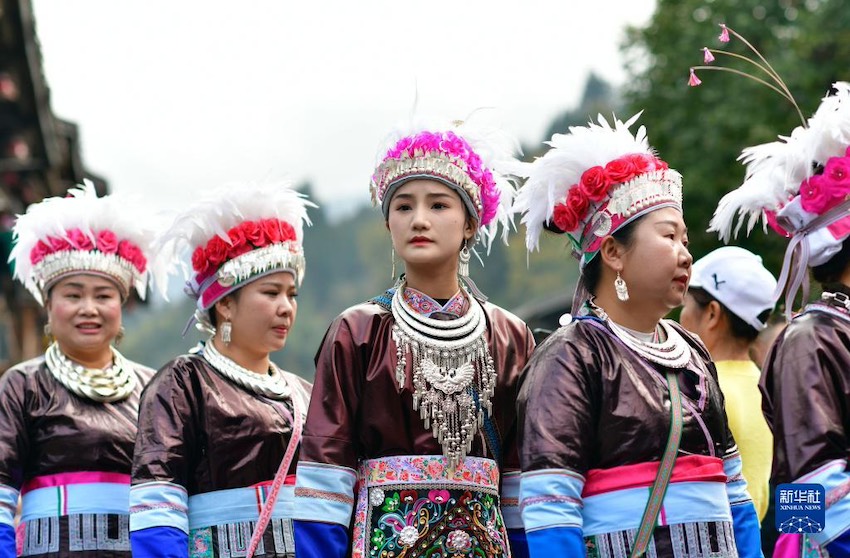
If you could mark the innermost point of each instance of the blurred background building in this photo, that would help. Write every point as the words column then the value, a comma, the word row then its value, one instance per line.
column 39, row 157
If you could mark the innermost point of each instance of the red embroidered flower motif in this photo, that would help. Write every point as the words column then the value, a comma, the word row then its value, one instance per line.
column 439, row 496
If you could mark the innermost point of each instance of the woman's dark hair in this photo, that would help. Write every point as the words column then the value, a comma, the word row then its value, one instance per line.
column 738, row 327
column 211, row 312
column 592, row 272
column 831, row 271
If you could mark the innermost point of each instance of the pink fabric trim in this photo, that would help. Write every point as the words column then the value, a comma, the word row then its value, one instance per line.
column 690, row 468
column 82, row 477
column 788, row 546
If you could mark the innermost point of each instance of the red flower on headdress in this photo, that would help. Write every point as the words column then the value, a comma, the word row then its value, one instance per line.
column 594, row 184
column 570, row 213
column 107, row 242
column 622, row 169
column 253, row 233
column 200, row 263
column 58, row 244
column 216, row 251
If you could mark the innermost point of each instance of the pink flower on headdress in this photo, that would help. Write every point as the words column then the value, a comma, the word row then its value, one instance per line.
column 132, row 254
column 454, row 146
column 693, row 80
column 58, row 244
column 403, row 145
column 815, row 196
column 39, row 251
column 708, row 58
column 594, row 184
column 107, row 242
column 278, row 231
column 837, row 170
column 80, row 240
column 489, row 197
column 724, row 33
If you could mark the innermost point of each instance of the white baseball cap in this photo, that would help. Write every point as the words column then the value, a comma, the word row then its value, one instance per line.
column 736, row 278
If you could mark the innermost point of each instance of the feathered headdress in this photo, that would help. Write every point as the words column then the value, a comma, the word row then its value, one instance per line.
column 798, row 185
column 592, row 181
column 473, row 161
column 236, row 234
column 82, row 233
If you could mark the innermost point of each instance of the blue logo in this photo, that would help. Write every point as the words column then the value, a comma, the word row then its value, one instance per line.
column 800, row 508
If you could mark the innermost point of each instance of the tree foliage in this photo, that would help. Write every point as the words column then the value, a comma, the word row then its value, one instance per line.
column 701, row 130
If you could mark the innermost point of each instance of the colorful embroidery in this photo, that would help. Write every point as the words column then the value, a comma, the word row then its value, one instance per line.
column 301, row 492
column 427, row 468
column 421, row 521
column 201, row 544
column 425, row 305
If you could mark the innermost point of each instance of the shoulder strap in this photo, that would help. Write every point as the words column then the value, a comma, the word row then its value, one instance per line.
column 665, row 469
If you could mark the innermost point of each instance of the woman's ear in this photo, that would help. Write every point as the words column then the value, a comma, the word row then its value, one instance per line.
column 224, row 308
column 611, row 252
column 713, row 315
column 470, row 228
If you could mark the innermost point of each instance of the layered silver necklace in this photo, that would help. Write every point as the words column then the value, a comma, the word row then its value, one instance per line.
column 672, row 352
column 453, row 373
column 272, row 385
column 104, row 385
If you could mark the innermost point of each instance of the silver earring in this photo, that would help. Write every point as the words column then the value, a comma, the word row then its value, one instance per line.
column 226, row 330
column 621, row 288
column 392, row 258
column 120, row 335
column 48, row 331
column 463, row 261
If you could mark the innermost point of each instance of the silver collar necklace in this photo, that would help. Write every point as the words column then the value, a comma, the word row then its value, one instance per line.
column 672, row 352
column 272, row 385
column 113, row 383
column 452, row 367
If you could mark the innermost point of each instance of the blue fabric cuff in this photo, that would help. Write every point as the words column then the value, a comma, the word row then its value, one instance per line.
column 745, row 522
column 7, row 541
column 159, row 542
column 320, row 540
column 557, row 541
column 518, row 542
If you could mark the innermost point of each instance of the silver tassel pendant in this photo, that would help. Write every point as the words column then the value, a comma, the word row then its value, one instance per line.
column 621, row 288
column 463, row 261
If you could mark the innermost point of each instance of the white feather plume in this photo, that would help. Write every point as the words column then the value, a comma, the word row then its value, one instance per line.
column 774, row 171
column 223, row 208
column 497, row 149
column 82, row 209
column 549, row 178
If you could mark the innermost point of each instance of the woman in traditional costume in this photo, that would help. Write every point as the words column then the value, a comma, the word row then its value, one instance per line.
column 219, row 428
column 624, row 442
column 69, row 417
column 800, row 186
column 412, row 425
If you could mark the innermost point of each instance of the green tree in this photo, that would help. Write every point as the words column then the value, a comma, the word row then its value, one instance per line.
column 701, row 130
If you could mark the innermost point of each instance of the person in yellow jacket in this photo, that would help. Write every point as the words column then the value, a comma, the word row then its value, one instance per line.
column 728, row 302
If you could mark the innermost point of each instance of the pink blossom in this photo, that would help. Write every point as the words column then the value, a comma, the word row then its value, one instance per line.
column 724, row 33
column 439, row 496
column 58, row 244
column 38, row 252
column 107, row 242
column 80, row 240
column 708, row 58
column 693, row 80
column 816, row 195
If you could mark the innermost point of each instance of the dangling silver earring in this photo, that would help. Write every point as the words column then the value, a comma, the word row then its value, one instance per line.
column 392, row 258
column 226, row 330
column 621, row 288
column 48, row 332
column 120, row 335
column 463, row 260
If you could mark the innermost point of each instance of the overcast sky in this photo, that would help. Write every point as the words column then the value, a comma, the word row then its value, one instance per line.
column 172, row 96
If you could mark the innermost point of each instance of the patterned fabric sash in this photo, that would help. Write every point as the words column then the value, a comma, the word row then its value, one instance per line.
column 417, row 506
column 668, row 461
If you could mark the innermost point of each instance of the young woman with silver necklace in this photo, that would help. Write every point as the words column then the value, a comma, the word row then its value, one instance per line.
column 414, row 394
column 82, row 394
column 220, row 428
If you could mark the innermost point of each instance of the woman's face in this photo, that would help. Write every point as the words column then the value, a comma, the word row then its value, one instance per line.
column 428, row 223
column 263, row 313
column 84, row 313
column 657, row 266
